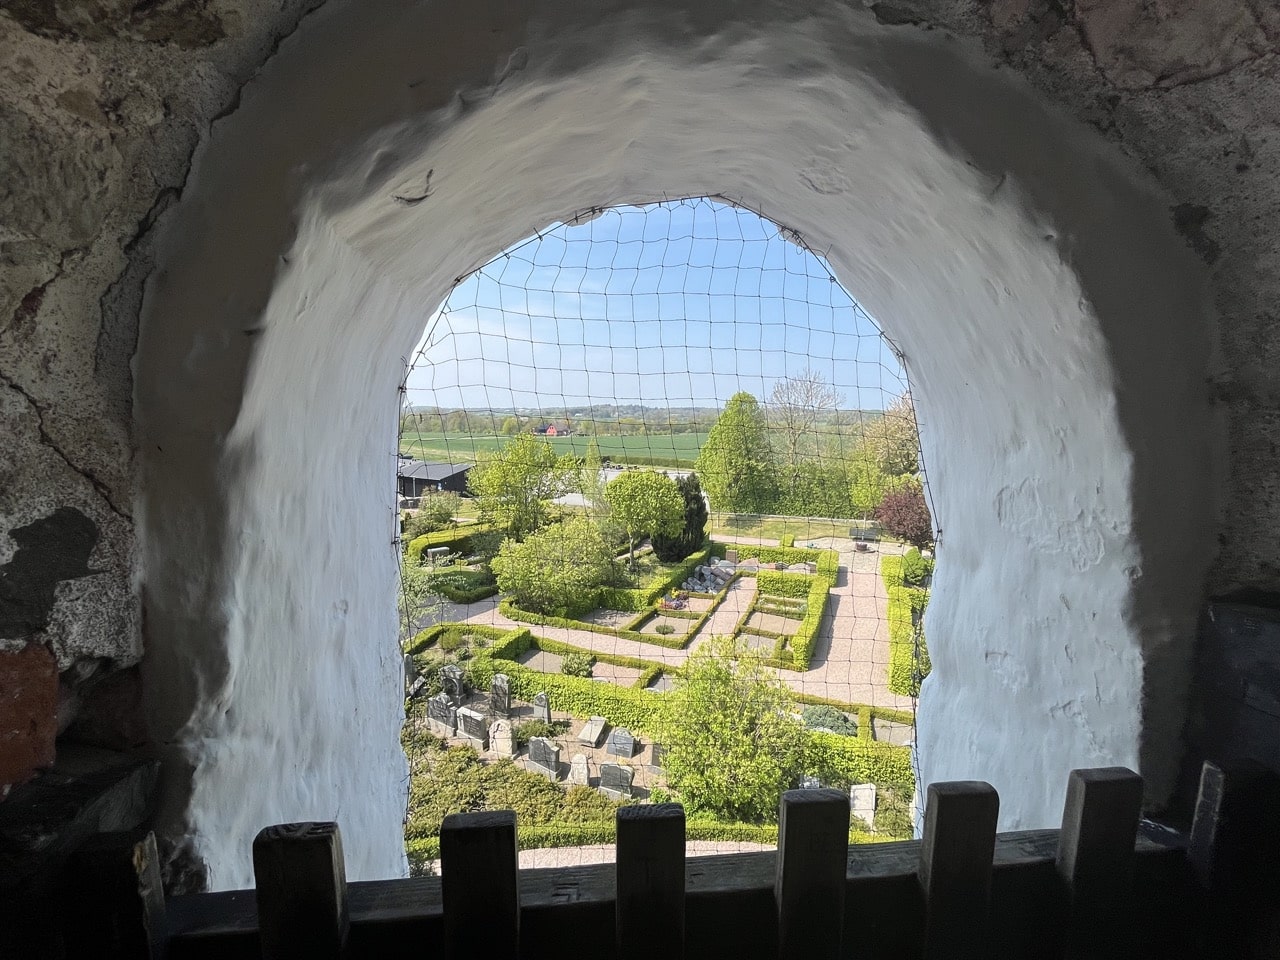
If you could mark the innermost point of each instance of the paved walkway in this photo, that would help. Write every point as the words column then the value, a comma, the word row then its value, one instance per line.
column 850, row 663
column 608, row 853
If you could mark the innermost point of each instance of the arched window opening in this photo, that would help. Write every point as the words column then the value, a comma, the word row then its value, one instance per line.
column 664, row 534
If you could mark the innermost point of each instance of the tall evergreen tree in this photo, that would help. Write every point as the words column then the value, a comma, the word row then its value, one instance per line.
column 737, row 463
column 694, row 534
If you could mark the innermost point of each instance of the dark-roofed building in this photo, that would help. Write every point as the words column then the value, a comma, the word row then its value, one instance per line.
column 414, row 477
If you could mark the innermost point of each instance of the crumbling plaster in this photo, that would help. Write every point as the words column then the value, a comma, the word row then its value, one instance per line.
column 101, row 114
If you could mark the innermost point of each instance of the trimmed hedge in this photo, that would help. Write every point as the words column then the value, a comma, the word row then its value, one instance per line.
column 856, row 760
column 813, row 588
column 563, row 649
column 457, row 539
column 827, row 561
column 904, row 603
column 788, row 540
column 463, row 586
column 637, row 600
column 777, row 584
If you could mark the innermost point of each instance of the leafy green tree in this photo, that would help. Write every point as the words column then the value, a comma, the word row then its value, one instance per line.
column 417, row 597
column 645, row 503
column 555, row 569
column 435, row 512
column 737, row 463
column 591, row 482
column 510, row 427
column 694, row 533
column 730, row 744
column 514, row 487
column 893, row 440
column 868, row 484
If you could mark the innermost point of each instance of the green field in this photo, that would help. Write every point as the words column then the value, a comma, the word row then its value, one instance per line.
column 677, row 449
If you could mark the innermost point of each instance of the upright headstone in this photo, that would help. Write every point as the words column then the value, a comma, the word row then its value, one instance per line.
column 655, row 758
column 502, row 740
column 500, row 695
column 862, row 802
column 410, row 673
column 442, row 715
column 544, row 756
column 810, row 783
column 454, row 686
column 731, row 556
column 542, row 708
column 592, row 731
column 580, row 770
column 621, row 743
column 615, row 780
column 473, row 725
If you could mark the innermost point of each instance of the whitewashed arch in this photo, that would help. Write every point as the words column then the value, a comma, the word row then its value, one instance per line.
column 1055, row 329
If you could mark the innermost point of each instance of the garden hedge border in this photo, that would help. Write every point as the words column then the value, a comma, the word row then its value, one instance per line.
column 903, row 603
column 458, row 538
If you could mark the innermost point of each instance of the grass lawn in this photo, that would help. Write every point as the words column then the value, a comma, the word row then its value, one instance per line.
column 775, row 528
column 678, row 449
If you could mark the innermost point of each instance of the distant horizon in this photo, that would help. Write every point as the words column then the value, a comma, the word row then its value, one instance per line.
column 678, row 304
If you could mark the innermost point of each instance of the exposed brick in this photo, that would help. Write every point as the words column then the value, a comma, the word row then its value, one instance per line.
column 28, row 713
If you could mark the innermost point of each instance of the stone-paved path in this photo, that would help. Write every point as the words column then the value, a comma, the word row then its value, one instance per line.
column 850, row 663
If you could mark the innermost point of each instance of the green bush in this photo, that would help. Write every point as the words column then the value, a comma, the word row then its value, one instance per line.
column 522, row 733
column 915, row 568
column 577, row 664
column 463, row 586
column 457, row 540
column 905, row 605
column 784, row 584
column 849, row 760
column 829, row 718
column 665, row 629
column 787, row 540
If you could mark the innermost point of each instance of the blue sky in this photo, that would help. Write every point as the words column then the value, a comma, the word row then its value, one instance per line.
column 674, row 304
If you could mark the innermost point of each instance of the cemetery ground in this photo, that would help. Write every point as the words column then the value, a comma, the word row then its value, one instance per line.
column 539, row 762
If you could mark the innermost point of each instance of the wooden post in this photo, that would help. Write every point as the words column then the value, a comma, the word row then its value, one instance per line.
column 117, row 905
column 809, row 886
column 1096, row 858
column 955, row 868
column 650, row 882
column 479, row 863
column 1234, row 850
column 301, row 881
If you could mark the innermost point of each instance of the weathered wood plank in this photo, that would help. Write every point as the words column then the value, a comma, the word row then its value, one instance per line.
column 301, row 881
column 117, row 905
column 479, row 866
column 809, row 887
column 1095, row 860
column 650, row 881
column 956, row 861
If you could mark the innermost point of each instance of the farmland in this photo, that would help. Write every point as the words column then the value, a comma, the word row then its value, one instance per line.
column 676, row 450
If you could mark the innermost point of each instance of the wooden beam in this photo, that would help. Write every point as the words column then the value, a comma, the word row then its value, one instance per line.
column 1096, row 859
column 650, row 905
column 809, row 886
column 117, row 907
column 956, row 859
column 479, row 865
column 301, row 880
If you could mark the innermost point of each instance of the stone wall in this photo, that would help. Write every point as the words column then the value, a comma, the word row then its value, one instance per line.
column 104, row 106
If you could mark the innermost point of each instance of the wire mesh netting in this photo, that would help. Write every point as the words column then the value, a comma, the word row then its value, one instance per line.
column 664, row 534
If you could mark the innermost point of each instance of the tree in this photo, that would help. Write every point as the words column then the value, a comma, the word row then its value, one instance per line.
column 904, row 514
column 515, row 486
column 737, row 463
column 795, row 405
column 510, row 427
column 435, row 512
column 645, row 503
column 417, row 597
column 555, row 569
column 730, row 745
column 694, row 533
column 867, row 486
column 893, row 440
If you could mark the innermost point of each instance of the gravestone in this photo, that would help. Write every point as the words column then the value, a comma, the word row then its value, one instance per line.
column 592, row 731
column 410, row 673
column 454, row 686
column 655, row 758
column 810, row 783
column 580, row 770
column 502, row 740
column 500, row 695
column 862, row 802
column 442, row 715
column 731, row 556
column 544, row 756
column 621, row 743
column 542, row 708
column 615, row 780
column 473, row 725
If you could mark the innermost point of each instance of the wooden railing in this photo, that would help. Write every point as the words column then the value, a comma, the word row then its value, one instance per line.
column 1104, row 885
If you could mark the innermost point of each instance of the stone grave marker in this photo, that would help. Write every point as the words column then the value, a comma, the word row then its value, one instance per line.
column 810, row 783
column 542, row 708
column 544, row 755
column 502, row 740
column 621, row 743
column 731, row 556
column 473, row 725
column 580, row 770
column 615, row 780
column 410, row 673
column 442, row 715
column 655, row 758
column 591, row 733
column 454, row 686
column 862, row 802
column 500, row 695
